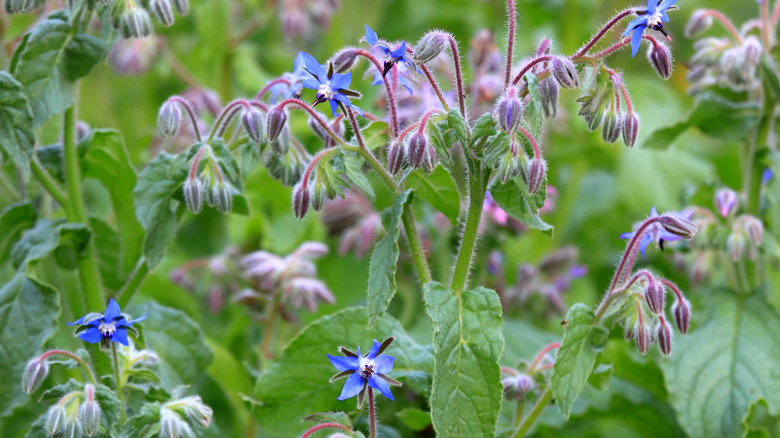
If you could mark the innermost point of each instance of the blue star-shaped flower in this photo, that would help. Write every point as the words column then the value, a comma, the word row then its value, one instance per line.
column 109, row 327
column 656, row 233
column 293, row 89
column 330, row 86
column 392, row 56
column 653, row 17
column 369, row 370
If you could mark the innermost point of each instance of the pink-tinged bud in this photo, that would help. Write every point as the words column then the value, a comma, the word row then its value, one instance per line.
column 34, row 375
column 162, row 11
column 654, row 296
column 548, row 91
column 301, row 199
column 681, row 309
column 726, row 201
column 252, row 120
column 89, row 412
column 610, row 130
column 565, row 72
column 754, row 229
column 223, row 197
column 135, row 22
column 344, row 60
column 699, row 22
column 677, row 226
column 642, row 338
column 736, row 245
column 55, row 420
column 509, row 111
column 516, row 387
column 628, row 332
column 664, row 335
column 630, row 129
column 395, row 157
column 194, row 194
column 429, row 46
column 277, row 119
column 417, row 146
column 169, row 119
column 660, row 58
column 753, row 49
column 536, row 174
column 316, row 127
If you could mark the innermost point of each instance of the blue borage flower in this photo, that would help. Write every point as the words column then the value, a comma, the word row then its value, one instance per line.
column 109, row 327
column 330, row 86
column 295, row 78
column 365, row 371
column 653, row 17
column 656, row 233
column 392, row 56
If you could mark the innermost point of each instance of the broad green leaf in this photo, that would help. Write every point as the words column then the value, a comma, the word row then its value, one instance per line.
column 759, row 422
column 576, row 357
column 178, row 342
column 724, row 365
column 437, row 189
column 484, row 127
column 138, row 426
column 108, row 258
column 353, row 171
column 459, row 126
column 13, row 220
column 298, row 382
column 514, row 199
column 82, row 53
column 375, row 135
column 382, row 267
column 467, row 344
column 231, row 375
column 17, row 133
column 28, row 316
column 534, row 107
column 769, row 71
column 415, row 418
column 46, row 237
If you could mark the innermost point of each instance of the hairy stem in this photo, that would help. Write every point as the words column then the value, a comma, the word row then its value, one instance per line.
column 615, row 20
column 49, row 183
column 309, row 432
column 544, row 399
column 510, row 40
column 119, row 390
column 458, row 75
column 477, row 181
column 435, row 86
column 388, row 89
column 80, row 361
column 529, row 65
column 371, row 412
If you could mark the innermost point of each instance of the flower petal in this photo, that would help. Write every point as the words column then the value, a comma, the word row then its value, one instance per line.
column 666, row 4
column 339, row 81
column 112, row 311
column 344, row 363
column 139, row 319
column 407, row 84
column 646, row 240
column 299, row 62
column 384, row 364
column 636, row 39
column 374, row 349
column 633, row 24
column 651, row 6
column 352, row 387
column 79, row 321
column 310, row 83
column 314, row 67
column 120, row 335
column 400, row 51
column 371, row 37
column 627, row 235
column 334, row 107
column 377, row 382
column 377, row 79
column 91, row 335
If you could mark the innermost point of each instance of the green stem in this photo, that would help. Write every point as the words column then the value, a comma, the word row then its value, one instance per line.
column 133, row 282
column 415, row 246
column 80, row 361
column 371, row 412
column 270, row 320
column 534, row 415
column 519, row 412
column 9, row 188
column 477, row 180
column 48, row 183
column 119, row 392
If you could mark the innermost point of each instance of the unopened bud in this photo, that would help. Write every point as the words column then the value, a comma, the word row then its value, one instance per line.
column 73, row 428
column 395, row 157
column 281, row 145
column 736, row 245
column 565, row 72
column 301, row 199
column 162, row 11
column 548, row 91
column 754, row 229
column 344, row 60
column 182, row 6
column 726, row 201
column 681, row 309
column 594, row 119
column 516, row 387
column 664, row 335
column 660, row 58
column 55, row 420
column 318, row 196
column 535, row 175
column 252, row 120
column 34, row 375
column 677, row 226
column 277, row 119
column 699, row 22
column 173, row 426
column 135, row 23
column 222, row 196
column 417, row 146
column 509, row 165
column 429, row 46
column 197, row 411
column 642, row 338
column 509, row 111
column 22, row 6
column 316, row 127
column 89, row 412
column 169, row 119
column 654, row 296
column 194, row 194
column 630, row 129
column 610, row 130
column 753, row 49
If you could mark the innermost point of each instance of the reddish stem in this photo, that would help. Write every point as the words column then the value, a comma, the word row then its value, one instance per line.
column 530, row 64
column 540, row 355
column 371, row 412
column 388, row 88
column 309, row 432
column 191, row 112
column 312, row 112
column 510, row 41
column 530, row 138
column 425, row 117
column 271, row 84
column 632, row 248
column 458, row 74
column 615, row 20
column 674, row 289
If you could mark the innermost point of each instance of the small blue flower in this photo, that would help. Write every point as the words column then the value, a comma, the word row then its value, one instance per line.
column 653, row 17
column 766, row 175
column 392, row 56
column 365, row 371
column 293, row 89
column 109, row 327
column 656, row 233
column 330, row 86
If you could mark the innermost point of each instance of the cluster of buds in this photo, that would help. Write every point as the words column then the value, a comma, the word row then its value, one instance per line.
column 133, row 19
column 180, row 417
column 293, row 276
column 218, row 274
column 601, row 104
column 300, row 18
column 730, row 61
column 355, row 219
column 519, row 382
column 207, row 183
column 76, row 413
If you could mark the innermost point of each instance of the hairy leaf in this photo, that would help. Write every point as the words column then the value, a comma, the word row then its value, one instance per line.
column 514, row 199
column 17, row 131
column 437, row 189
column 13, row 220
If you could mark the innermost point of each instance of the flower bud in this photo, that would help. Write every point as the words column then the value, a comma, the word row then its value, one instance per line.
column 736, row 245
column 752, row 48
column 194, row 189
column 182, row 6
column 654, row 296
column 429, row 46
column 316, row 127
column 55, row 420
column 344, row 60
column 277, row 119
column 162, row 11
column 594, row 119
column 89, row 412
column 252, row 119
column 664, row 335
column 681, row 309
column 630, row 129
column 536, row 174
column 610, row 130
column 318, row 196
column 169, row 119
column 726, row 201
column 699, row 22
column 281, row 146
column 173, row 426
column 642, row 338
column 22, row 6
column 72, row 428
column 677, row 226
column 301, row 199
column 222, row 197
column 196, row 410
column 516, row 387
column 660, row 58
column 417, row 146
column 135, row 23
column 548, row 91
column 509, row 164
column 34, row 375
column 754, row 229
column 395, row 157
column 565, row 72
column 509, row 111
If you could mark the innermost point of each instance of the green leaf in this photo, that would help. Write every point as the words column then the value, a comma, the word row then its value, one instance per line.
column 46, row 237
column 467, row 344
column 576, row 357
column 82, row 53
column 298, row 383
column 353, row 170
column 375, row 135
column 600, row 377
column 485, row 126
column 178, row 342
column 534, row 109
column 152, row 199
column 730, row 361
column 28, row 316
column 759, row 422
column 515, row 200
column 415, row 418
column 14, row 219
column 382, row 267
column 330, row 417
column 770, row 75
column 459, row 125
column 17, row 133
column 437, row 189
column 143, row 425
column 714, row 116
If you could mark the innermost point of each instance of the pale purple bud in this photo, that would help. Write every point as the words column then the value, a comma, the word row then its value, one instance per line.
column 277, row 118
column 55, row 420
column 223, row 197
column 753, row 49
column 344, row 60
column 726, row 201
column 89, row 412
column 654, row 296
column 396, row 156
column 630, row 129
column 301, row 199
column 429, row 46
column 252, row 120
column 306, row 292
column 699, row 22
column 681, row 309
column 516, row 387
column 312, row 250
column 135, row 23
column 536, row 174
column 754, row 229
column 548, row 91
column 610, row 130
column 316, row 127
column 169, row 119
column 509, row 111
column 162, row 11
column 642, row 338
column 677, row 226
column 594, row 119
column 565, row 72
column 417, row 146
column 182, row 6
column 194, row 194
column 173, row 426
column 660, row 58
column 73, row 428
column 736, row 245
column 664, row 335
column 34, row 375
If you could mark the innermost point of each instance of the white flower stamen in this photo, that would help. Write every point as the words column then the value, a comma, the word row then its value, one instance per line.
column 366, row 367
column 107, row 329
column 325, row 91
column 654, row 20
